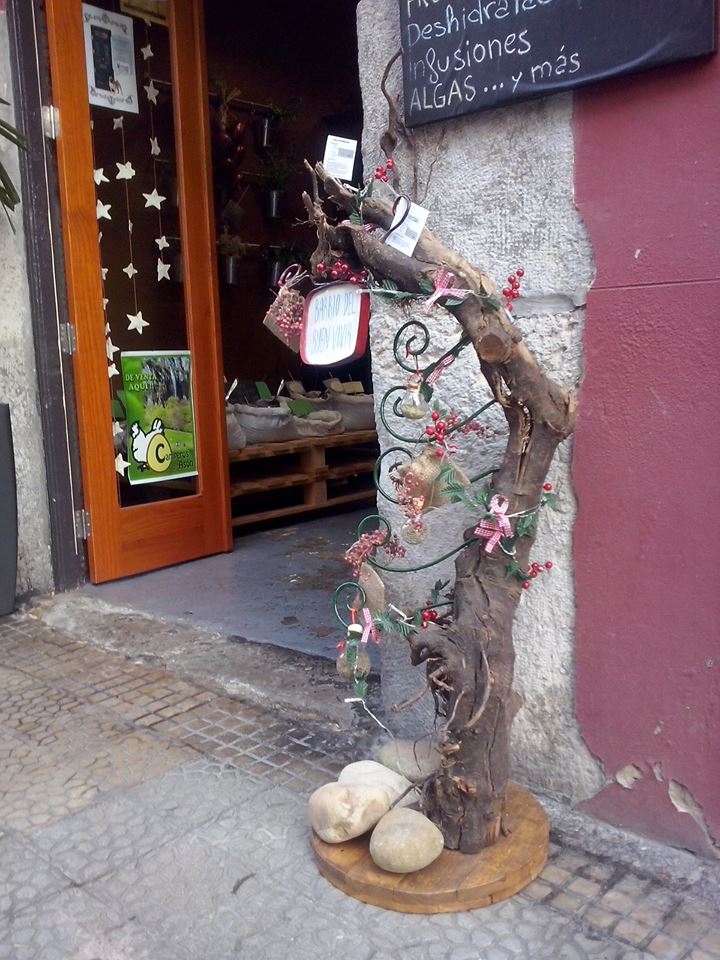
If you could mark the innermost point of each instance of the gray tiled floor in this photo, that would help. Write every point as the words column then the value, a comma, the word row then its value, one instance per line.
column 143, row 818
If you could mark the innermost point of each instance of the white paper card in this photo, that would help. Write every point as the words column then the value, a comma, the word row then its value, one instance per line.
column 339, row 157
column 110, row 59
column 406, row 236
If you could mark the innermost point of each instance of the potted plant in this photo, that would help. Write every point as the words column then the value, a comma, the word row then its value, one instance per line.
column 266, row 124
column 231, row 249
column 279, row 258
column 278, row 171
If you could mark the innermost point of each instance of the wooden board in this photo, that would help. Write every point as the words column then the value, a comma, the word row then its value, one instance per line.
column 456, row 881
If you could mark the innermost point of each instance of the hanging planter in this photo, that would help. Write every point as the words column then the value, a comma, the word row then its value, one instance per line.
column 264, row 129
column 231, row 250
column 275, row 178
column 274, row 204
column 231, row 270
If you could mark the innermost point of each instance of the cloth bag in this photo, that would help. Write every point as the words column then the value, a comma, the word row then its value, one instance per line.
column 235, row 433
column 357, row 409
column 322, row 423
column 265, row 424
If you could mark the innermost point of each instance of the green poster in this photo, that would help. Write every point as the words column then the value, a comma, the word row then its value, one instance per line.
column 160, row 425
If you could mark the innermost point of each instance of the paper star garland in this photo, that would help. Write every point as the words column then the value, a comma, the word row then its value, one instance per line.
column 117, row 123
column 110, row 348
column 125, row 171
column 162, row 243
column 154, row 147
column 102, row 210
column 153, row 199
column 121, row 464
column 105, row 302
column 163, row 270
column 130, row 271
column 113, row 371
column 107, row 329
column 136, row 321
column 99, row 176
column 152, row 92
column 147, row 52
column 117, row 428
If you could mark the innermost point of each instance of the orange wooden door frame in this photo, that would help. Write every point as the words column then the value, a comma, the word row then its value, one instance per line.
column 129, row 540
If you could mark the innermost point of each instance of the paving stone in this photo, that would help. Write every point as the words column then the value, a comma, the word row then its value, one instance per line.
column 633, row 931
column 602, row 919
column 584, row 888
column 25, row 877
column 75, row 926
column 711, row 941
column 666, row 947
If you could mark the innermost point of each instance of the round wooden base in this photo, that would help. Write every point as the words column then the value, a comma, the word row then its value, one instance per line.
column 455, row 881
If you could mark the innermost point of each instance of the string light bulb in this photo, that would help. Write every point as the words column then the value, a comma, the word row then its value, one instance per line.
column 413, row 405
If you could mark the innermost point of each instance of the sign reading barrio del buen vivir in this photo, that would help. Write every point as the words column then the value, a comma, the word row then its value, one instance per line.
column 460, row 56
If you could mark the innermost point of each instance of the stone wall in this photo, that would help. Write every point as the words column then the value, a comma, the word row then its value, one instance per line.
column 18, row 381
column 499, row 186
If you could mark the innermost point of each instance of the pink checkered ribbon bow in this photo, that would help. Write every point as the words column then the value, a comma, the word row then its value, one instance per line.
column 370, row 631
column 497, row 528
column 444, row 281
column 440, row 369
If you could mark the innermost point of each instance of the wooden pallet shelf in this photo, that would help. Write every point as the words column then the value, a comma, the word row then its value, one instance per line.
column 312, row 473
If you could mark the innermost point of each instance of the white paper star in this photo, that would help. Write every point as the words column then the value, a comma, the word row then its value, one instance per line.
column 163, row 270
column 117, row 123
column 103, row 210
column 113, row 371
column 100, row 235
column 110, row 348
column 153, row 199
column 107, row 329
column 125, row 171
column 154, row 147
column 136, row 321
column 147, row 52
column 104, row 272
column 130, row 271
column 105, row 303
column 99, row 176
column 121, row 464
column 162, row 243
column 152, row 92
column 117, row 428
column 130, row 226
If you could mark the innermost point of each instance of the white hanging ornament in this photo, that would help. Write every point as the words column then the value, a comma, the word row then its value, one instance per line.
column 163, row 271
column 117, row 428
column 121, row 464
column 125, row 171
column 162, row 243
column 99, row 176
column 136, row 321
column 113, row 371
column 104, row 272
column 102, row 210
column 152, row 92
column 154, row 147
column 413, row 405
column 117, row 123
column 147, row 52
column 130, row 270
column 110, row 348
column 154, row 199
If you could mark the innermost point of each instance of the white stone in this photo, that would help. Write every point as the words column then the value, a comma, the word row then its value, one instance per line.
column 341, row 811
column 371, row 773
column 405, row 841
column 414, row 759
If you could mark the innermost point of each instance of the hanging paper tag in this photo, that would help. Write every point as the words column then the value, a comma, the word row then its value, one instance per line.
column 335, row 325
column 339, row 159
column 411, row 223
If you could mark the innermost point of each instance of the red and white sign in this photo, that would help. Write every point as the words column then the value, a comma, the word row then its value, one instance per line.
column 335, row 325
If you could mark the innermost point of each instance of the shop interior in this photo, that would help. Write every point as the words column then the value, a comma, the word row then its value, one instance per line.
column 302, row 442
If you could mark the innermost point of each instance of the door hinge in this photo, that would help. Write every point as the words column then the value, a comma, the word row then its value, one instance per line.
column 82, row 524
column 51, row 121
column 68, row 339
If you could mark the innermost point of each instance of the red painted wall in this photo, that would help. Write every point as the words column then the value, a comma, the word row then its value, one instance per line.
column 647, row 447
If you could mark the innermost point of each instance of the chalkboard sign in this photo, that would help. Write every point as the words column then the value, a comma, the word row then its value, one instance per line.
column 467, row 55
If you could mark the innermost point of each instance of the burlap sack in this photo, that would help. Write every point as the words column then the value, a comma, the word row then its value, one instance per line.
column 284, row 318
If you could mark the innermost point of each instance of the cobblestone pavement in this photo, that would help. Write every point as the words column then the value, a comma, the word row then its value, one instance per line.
column 143, row 818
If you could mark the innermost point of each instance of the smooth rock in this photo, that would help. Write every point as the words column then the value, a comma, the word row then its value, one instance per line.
column 374, row 774
column 414, row 759
column 341, row 811
column 405, row 841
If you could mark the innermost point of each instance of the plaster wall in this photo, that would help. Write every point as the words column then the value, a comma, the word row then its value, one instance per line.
column 499, row 187
column 18, row 381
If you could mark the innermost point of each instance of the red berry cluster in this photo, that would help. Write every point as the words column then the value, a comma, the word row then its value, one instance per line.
column 428, row 616
column 512, row 291
column 341, row 271
column 437, row 431
column 381, row 173
column 535, row 570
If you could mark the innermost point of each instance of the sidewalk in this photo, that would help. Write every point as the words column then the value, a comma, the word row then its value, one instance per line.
column 143, row 817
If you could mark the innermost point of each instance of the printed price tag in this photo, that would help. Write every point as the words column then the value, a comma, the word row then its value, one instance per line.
column 412, row 221
column 339, row 159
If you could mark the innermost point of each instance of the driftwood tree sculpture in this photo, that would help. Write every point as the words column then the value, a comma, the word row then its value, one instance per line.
column 470, row 662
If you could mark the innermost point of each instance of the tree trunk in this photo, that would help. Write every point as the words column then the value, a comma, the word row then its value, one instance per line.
column 470, row 663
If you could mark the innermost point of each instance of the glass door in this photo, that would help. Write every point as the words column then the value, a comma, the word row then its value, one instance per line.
column 129, row 81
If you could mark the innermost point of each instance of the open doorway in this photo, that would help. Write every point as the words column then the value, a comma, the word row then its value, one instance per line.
column 297, row 481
